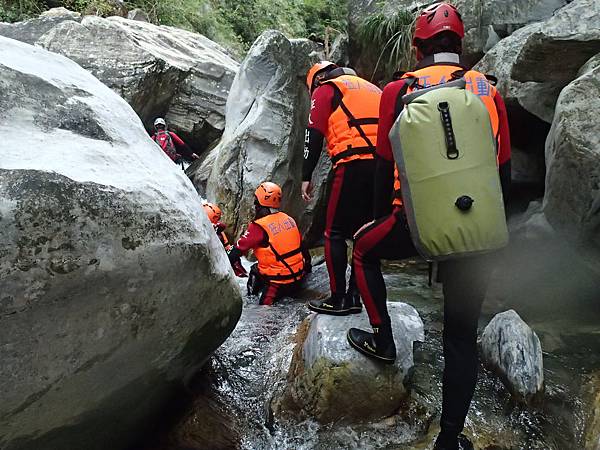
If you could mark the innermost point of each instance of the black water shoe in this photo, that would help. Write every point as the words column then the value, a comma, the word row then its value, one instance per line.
column 336, row 305
column 378, row 345
column 460, row 443
column 352, row 301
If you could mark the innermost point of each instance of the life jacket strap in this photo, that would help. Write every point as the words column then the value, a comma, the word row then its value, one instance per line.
column 288, row 254
column 352, row 151
column 364, row 121
column 355, row 123
column 284, row 277
column 282, row 259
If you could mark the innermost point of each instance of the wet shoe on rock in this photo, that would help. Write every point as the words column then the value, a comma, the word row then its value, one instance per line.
column 334, row 305
column 378, row 345
column 461, row 443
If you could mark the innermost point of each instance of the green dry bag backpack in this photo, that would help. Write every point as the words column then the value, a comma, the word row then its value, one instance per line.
column 445, row 150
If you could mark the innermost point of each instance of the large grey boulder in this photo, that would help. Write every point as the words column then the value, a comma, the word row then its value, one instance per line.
column 488, row 20
column 513, row 349
column 114, row 285
column 31, row 30
column 531, row 227
column 562, row 44
column 538, row 99
column 572, row 198
column 332, row 382
column 267, row 110
column 158, row 70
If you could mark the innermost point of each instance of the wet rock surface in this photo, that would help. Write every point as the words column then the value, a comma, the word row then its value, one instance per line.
column 267, row 112
column 513, row 349
column 334, row 383
column 251, row 372
column 114, row 285
column 158, row 70
column 591, row 431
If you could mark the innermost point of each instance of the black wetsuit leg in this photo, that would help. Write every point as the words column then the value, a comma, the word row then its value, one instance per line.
column 255, row 281
column 465, row 282
column 258, row 284
column 273, row 292
column 349, row 207
column 386, row 238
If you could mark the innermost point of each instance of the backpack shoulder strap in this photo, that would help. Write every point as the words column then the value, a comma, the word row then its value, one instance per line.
column 408, row 82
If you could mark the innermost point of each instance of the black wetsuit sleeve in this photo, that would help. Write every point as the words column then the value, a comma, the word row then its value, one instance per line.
column 185, row 151
column 505, row 179
column 384, row 187
column 313, row 144
column 182, row 148
column 234, row 254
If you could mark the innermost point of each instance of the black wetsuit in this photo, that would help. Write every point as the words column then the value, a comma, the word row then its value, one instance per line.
column 464, row 280
column 349, row 194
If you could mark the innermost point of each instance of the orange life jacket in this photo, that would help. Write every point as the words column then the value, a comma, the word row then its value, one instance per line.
column 476, row 82
column 352, row 126
column 282, row 261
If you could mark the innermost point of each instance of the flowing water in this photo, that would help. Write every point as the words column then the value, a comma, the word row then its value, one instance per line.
column 251, row 368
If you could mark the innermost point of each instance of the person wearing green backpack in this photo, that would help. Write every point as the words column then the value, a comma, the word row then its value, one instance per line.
column 444, row 215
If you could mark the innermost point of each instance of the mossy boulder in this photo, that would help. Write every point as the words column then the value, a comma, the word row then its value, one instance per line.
column 331, row 382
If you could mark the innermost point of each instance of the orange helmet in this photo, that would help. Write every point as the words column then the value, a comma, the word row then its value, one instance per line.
column 212, row 211
column 268, row 194
column 321, row 66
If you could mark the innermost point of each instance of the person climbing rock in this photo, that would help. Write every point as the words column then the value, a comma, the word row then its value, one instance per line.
column 171, row 144
column 438, row 41
column 277, row 245
column 213, row 212
column 344, row 111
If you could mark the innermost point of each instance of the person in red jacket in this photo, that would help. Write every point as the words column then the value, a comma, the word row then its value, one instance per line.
column 438, row 40
column 170, row 143
column 277, row 244
column 343, row 112
column 213, row 212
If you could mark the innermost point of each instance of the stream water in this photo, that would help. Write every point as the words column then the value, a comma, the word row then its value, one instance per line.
column 251, row 367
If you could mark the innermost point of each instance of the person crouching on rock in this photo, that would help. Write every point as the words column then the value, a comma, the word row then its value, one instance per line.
column 213, row 213
column 438, row 38
column 277, row 244
column 171, row 144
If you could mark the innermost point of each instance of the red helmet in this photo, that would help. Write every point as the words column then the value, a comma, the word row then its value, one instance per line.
column 212, row 211
column 437, row 18
column 317, row 68
column 268, row 194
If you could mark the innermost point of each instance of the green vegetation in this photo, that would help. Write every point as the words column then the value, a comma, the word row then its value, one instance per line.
column 233, row 23
column 16, row 10
column 389, row 36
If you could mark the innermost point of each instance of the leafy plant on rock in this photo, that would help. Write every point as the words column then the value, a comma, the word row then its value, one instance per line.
column 389, row 35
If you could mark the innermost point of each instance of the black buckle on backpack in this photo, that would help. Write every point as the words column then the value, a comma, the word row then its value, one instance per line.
column 451, row 150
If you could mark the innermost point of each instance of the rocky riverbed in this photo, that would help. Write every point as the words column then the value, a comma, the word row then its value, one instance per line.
column 251, row 370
